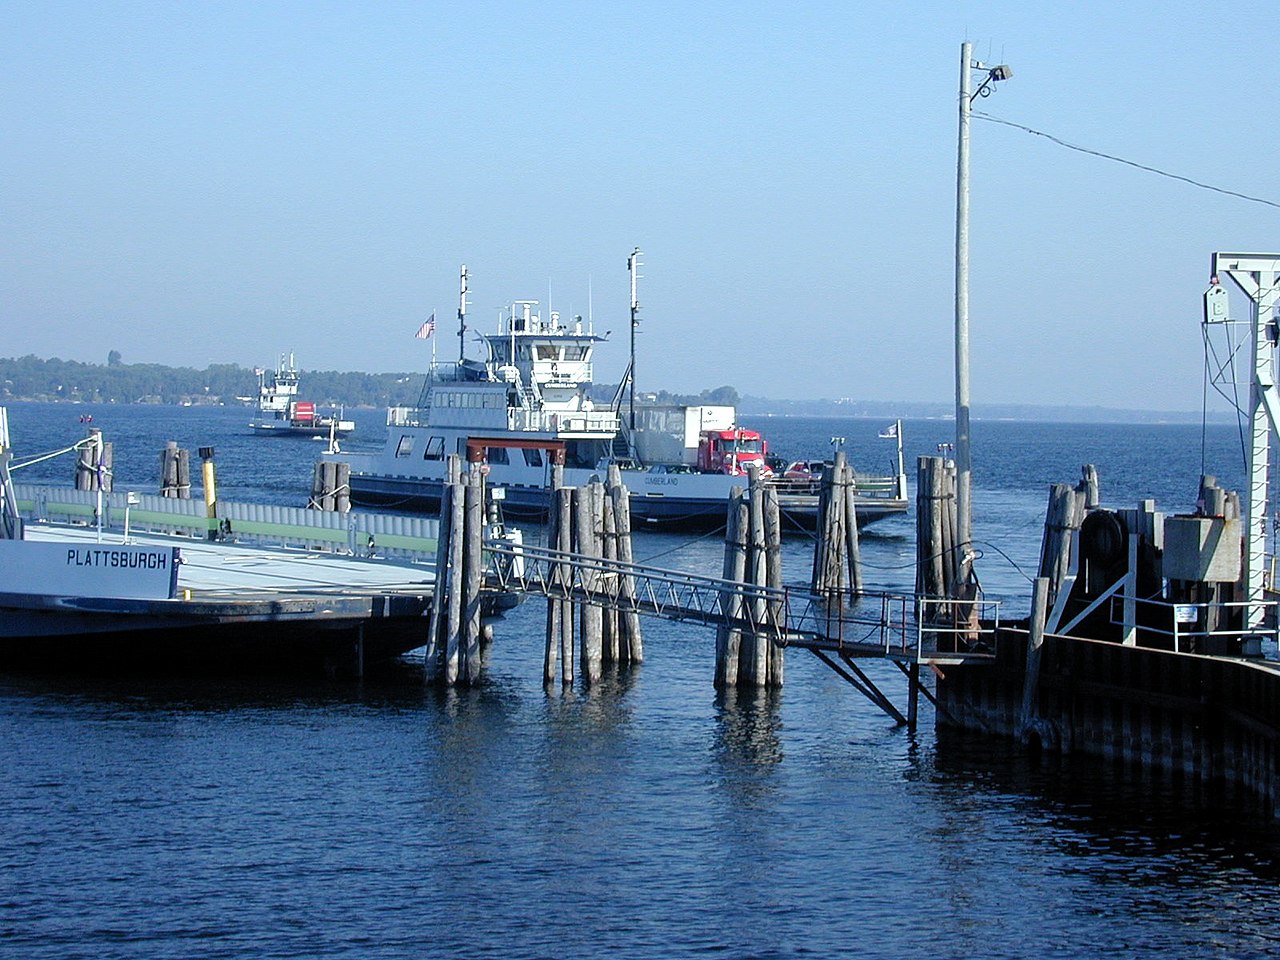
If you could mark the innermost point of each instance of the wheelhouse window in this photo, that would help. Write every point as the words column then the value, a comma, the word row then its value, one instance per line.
column 532, row 457
column 498, row 455
column 435, row 449
column 405, row 447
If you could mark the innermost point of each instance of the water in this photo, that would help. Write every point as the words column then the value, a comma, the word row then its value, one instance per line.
column 153, row 817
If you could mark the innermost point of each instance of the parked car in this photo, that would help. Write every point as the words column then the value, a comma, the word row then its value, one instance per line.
column 804, row 470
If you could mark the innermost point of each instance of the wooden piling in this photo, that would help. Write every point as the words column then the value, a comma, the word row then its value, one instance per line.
column 342, row 488
column 93, row 465
column 1062, row 518
column 611, row 639
column 437, row 621
column 631, row 645
column 175, row 472
column 853, row 546
column 453, row 636
column 589, row 530
column 473, row 507
column 1035, row 641
column 773, row 568
column 754, row 667
column 564, row 543
column 729, row 638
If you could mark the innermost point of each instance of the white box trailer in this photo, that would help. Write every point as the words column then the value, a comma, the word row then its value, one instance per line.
column 669, row 433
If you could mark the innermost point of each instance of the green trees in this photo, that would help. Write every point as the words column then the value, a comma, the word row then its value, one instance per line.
column 33, row 378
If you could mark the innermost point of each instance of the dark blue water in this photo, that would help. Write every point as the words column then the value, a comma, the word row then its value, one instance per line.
column 646, row 817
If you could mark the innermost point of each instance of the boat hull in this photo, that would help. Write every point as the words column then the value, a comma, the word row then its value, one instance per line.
column 673, row 508
column 284, row 428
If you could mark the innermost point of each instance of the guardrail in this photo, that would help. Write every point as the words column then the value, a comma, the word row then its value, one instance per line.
column 358, row 534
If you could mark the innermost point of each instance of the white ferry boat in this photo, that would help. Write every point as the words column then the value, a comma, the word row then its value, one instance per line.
column 527, row 406
column 280, row 413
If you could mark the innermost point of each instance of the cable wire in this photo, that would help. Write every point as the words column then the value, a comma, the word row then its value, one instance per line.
column 1128, row 163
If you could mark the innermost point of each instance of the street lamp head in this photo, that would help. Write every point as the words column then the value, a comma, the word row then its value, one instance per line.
column 1002, row 72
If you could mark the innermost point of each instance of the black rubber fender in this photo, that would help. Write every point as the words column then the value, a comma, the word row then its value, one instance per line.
column 1102, row 538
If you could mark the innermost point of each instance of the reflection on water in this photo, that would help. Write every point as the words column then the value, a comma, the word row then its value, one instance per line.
column 650, row 815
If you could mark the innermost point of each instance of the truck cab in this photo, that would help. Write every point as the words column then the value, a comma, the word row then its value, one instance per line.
column 732, row 451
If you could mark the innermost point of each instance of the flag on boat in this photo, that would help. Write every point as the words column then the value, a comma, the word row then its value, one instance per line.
column 428, row 327
column 890, row 432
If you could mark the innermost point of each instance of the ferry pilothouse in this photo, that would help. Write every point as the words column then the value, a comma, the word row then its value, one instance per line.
column 522, row 407
column 527, row 405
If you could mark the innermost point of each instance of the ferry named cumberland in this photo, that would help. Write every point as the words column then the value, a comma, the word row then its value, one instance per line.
column 527, row 405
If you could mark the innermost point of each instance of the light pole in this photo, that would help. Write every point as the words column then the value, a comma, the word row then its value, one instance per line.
column 964, row 461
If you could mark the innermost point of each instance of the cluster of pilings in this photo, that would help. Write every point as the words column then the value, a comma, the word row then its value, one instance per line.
column 837, row 555
column 175, row 472
column 939, row 559
column 331, row 487
column 93, row 466
column 752, row 555
column 454, row 627
column 1065, row 513
column 593, row 521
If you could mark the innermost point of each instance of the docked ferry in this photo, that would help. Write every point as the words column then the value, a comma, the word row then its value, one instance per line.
column 526, row 405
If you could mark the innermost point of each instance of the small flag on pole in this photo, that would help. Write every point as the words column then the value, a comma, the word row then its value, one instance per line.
column 428, row 328
column 890, row 432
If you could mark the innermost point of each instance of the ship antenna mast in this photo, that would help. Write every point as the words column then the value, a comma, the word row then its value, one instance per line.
column 462, row 314
column 633, row 267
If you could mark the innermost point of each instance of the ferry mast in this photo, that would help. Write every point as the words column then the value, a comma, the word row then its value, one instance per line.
column 633, row 267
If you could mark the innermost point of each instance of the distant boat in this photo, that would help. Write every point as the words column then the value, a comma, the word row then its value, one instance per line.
column 281, row 413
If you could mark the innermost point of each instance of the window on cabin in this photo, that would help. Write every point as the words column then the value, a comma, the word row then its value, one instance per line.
column 435, row 449
column 533, row 457
column 405, row 447
column 498, row 455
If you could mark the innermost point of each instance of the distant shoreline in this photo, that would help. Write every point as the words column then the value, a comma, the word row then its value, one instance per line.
column 756, row 407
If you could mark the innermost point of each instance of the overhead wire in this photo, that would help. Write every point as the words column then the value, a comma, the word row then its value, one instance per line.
column 1128, row 163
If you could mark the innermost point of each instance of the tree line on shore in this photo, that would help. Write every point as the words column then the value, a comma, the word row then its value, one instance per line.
column 33, row 378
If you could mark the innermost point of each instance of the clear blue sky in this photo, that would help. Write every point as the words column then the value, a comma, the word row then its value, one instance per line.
column 221, row 182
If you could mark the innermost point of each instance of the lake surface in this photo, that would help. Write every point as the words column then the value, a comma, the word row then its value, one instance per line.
column 646, row 817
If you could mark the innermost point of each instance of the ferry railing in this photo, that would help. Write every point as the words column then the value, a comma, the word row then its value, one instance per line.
column 374, row 535
column 877, row 487
column 578, row 421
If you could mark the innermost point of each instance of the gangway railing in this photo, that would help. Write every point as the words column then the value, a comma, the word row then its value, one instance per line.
column 873, row 624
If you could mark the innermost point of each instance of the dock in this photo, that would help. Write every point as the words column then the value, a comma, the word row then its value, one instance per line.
column 257, row 588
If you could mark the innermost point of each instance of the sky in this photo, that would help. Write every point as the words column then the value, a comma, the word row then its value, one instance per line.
column 224, row 182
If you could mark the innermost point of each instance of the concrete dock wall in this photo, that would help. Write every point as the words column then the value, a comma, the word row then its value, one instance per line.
column 1211, row 721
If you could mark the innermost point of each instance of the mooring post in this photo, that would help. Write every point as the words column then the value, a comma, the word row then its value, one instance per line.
column 473, row 560
column 564, row 543
column 587, row 526
column 1035, row 641
column 773, row 578
column 437, row 618
column 453, row 638
column 629, row 620
column 754, row 669
column 728, row 636
column 611, row 644
column 853, row 547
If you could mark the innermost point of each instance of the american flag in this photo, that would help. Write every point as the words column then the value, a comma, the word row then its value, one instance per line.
column 428, row 328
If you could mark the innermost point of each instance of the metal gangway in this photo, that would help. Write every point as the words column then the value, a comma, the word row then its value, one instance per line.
column 894, row 626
